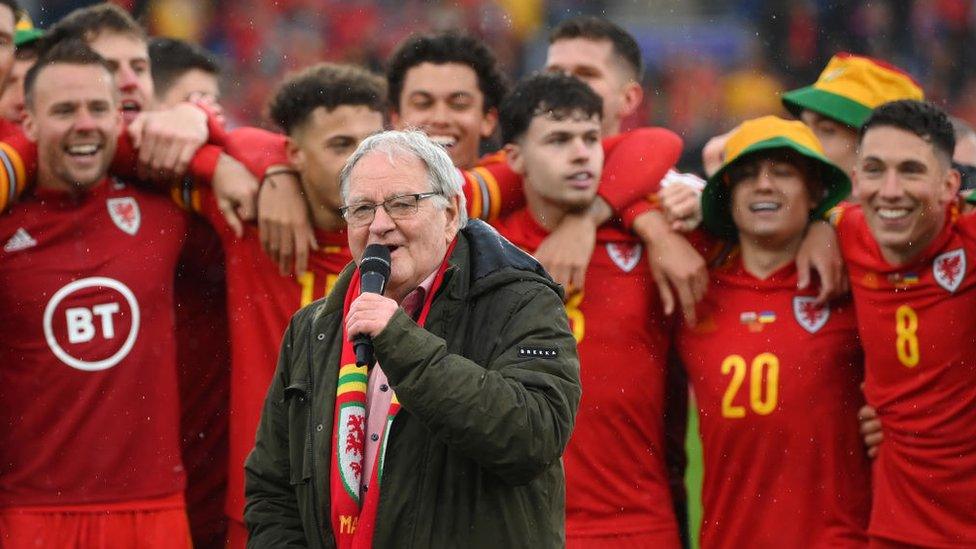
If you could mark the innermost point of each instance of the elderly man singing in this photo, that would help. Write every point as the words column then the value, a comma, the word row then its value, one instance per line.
column 453, row 438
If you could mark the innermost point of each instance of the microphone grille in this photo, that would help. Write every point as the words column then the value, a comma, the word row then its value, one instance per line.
column 376, row 259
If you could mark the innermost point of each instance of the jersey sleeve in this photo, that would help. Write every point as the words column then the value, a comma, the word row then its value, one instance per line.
column 18, row 163
column 200, row 200
column 257, row 149
column 492, row 189
column 217, row 134
column 836, row 214
column 635, row 164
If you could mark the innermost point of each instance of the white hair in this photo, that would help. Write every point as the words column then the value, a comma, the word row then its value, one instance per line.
column 443, row 177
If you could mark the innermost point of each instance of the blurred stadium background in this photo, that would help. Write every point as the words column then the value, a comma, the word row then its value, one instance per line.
column 709, row 63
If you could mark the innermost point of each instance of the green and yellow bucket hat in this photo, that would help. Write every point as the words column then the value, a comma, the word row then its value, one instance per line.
column 851, row 87
column 766, row 134
column 25, row 32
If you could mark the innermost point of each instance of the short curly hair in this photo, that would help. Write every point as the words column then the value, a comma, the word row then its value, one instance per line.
column 326, row 85
column 443, row 48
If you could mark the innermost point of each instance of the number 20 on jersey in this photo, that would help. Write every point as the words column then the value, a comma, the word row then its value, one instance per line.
column 763, row 374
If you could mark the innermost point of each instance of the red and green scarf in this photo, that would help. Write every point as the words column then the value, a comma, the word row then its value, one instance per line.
column 353, row 520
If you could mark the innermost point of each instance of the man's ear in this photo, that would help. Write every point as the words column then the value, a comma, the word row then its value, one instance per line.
column 489, row 122
column 633, row 95
column 453, row 212
column 296, row 156
column 30, row 126
column 952, row 183
column 513, row 155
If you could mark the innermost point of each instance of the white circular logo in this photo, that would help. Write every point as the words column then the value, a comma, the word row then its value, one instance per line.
column 82, row 326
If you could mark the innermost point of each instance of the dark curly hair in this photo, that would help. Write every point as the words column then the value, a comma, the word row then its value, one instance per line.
column 921, row 118
column 325, row 85
column 552, row 94
column 442, row 48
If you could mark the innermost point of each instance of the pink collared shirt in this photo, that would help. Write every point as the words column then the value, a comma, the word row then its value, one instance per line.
column 379, row 394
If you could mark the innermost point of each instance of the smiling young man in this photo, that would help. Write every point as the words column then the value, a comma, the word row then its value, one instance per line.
column 89, row 378
column 448, row 85
column 775, row 376
column 551, row 124
column 909, row 254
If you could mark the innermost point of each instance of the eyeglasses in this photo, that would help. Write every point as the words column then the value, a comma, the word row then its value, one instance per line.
column 397, row 207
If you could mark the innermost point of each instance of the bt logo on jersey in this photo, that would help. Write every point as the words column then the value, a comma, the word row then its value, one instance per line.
column 91, row 324
column 81, row 329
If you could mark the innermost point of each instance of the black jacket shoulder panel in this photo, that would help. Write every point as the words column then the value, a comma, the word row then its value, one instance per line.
column 491, row 253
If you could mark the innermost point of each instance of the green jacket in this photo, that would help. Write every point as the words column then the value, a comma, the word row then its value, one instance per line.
column 473, row 457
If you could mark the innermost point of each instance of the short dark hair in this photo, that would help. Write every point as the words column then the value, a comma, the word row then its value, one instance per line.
column 71, row 52
column 325, row 85
column 597, row 28
column 921, row 118
column 546, row 94
column 89, row 22
column 443, row 48
column 171, row 58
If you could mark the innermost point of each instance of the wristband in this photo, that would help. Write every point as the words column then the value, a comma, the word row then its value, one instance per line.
column 280, row 171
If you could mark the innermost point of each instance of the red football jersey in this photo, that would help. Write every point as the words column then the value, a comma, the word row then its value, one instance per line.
column 776, row 380
column 203, row 369
column 87, row 357
column 260, row 303
column 616, row 479
column 917, row 323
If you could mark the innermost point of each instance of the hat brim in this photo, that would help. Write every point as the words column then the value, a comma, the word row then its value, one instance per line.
column 26, row 36
column 717, row 196
column 827, row 104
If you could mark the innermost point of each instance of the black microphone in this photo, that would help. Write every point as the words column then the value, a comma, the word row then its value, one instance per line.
column 374, row 269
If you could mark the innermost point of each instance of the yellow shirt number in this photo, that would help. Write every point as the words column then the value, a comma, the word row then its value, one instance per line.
column 576, row 320
column 307, row 281
column 763, row 384
column 906, row 326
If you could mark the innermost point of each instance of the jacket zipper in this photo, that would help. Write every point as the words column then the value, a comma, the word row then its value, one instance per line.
column 310, row 439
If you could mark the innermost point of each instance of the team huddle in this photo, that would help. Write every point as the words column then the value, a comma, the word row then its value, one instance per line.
column 812, row 294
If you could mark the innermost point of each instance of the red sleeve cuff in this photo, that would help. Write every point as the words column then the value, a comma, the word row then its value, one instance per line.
column 215, row 128
column 632, row 212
